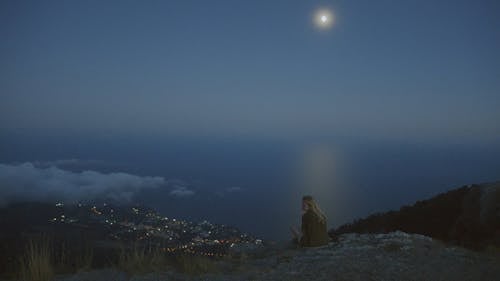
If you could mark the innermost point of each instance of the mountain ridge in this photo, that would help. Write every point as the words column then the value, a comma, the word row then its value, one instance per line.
column 468, row 216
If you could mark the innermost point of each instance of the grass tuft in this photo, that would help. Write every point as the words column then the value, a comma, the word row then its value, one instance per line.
column 194, row 265
column 83, row 262
column 140, row 260
column 36, row 263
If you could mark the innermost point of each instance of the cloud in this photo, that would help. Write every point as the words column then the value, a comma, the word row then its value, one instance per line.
column 79, row 165
column 229, row 190
column 61, row 163
column 27, row 182
column 234, row 189
column 181, row 191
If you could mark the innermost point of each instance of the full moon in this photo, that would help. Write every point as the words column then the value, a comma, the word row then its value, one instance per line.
column 323, row 18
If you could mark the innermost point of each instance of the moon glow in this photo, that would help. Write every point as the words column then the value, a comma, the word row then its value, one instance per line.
column 323, row 18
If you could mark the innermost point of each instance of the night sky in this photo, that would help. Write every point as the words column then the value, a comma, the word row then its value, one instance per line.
column 406, row 69
column 153, row 89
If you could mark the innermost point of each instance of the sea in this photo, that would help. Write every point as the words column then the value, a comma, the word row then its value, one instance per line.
column 256, row 185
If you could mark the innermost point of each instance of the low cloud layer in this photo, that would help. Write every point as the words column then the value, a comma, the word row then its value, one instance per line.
column 65, row 163
column 181, row 191
column 234, row 189
column 27, row 182
column 229, row 191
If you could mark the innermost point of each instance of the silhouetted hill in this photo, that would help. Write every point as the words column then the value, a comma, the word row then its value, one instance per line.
column 468, row 216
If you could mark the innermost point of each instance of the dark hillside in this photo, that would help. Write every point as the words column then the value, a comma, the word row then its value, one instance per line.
column 468, row 216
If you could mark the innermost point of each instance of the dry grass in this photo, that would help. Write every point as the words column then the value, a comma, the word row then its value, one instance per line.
column 42, row 259
column 140, row 260
column 36, row 263
column 492, row 249
column 193, row 265
column 83, row 262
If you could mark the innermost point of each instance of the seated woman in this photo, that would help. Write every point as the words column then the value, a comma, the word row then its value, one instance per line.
column 313, row 230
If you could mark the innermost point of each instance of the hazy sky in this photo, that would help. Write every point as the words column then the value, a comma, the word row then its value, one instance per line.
column 390, row 69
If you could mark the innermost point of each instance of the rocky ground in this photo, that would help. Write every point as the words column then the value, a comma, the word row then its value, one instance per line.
column 393, row 256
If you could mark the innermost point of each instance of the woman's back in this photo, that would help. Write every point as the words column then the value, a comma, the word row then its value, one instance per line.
column 314, row 231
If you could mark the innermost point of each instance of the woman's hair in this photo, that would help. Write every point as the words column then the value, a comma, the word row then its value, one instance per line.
column 313, row 206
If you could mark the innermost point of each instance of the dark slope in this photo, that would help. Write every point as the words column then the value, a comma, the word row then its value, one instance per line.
column 468, row 216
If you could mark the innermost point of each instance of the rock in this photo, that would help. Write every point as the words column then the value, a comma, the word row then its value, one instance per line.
column 392, row 256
